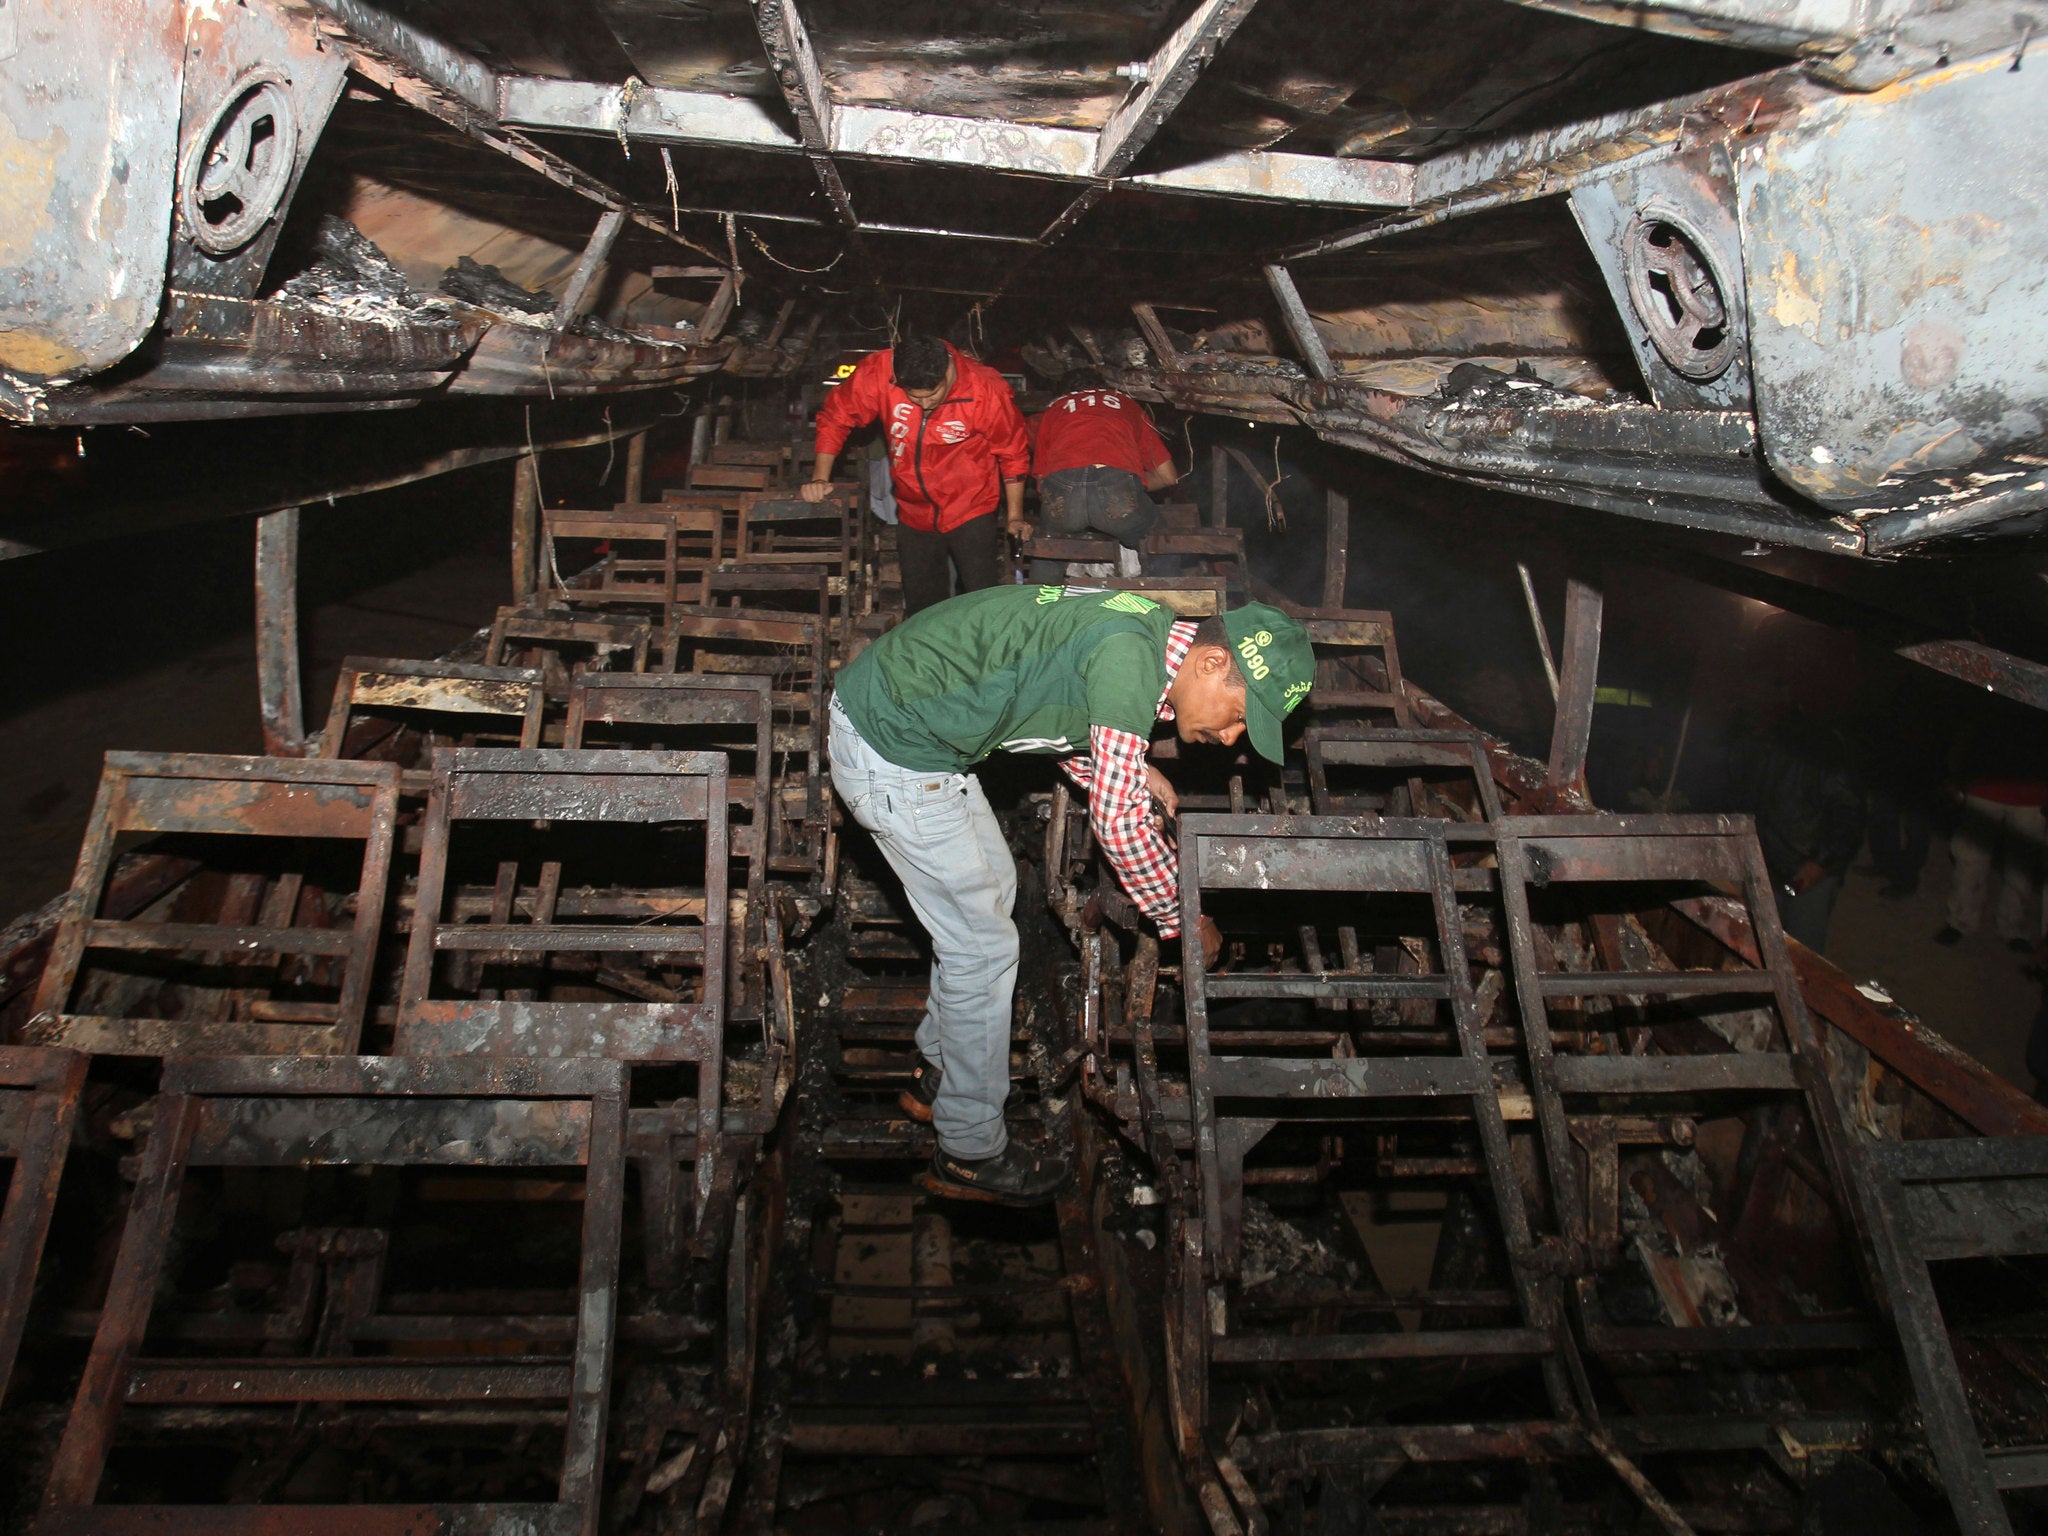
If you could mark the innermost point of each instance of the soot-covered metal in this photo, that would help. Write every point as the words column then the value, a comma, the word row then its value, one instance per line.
column 480, row 1112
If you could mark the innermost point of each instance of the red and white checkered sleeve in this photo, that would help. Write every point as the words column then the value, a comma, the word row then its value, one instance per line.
column 1120, row 811
column 1080, row 768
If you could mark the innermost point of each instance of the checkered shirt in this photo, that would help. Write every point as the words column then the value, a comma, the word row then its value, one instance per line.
column 1120, row 805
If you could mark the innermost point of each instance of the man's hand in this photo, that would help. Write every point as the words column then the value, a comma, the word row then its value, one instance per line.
column 1162, row 790
column 815, row 491
column 1020, row 530
column 1810, row 874
column 1211, row 939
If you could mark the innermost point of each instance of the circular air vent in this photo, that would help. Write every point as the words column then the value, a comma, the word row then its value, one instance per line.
column 239, row 169
column 1675, row 282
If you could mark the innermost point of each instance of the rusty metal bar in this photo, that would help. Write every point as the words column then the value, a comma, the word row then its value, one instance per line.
column 1302, row 327
column 1164, row 82
column 525, row 527
column 279, row 695
column 596, row 251
column 1578, row 680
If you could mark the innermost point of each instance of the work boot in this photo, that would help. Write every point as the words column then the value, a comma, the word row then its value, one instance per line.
column 917, row 1100
column 1017, row 1175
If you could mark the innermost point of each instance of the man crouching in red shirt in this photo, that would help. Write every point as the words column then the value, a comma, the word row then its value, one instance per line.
column 1096, row 455
column 955, row 437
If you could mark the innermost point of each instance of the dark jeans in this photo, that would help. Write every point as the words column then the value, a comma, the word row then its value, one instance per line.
column 1091, row 499
column 976, row 547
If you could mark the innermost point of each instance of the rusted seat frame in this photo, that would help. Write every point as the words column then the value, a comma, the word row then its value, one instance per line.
column 704, row 627
column 771, row 510
column 304, row 798
column 39, row 1091
column 433, row 687
column 1394, row 749
column 1559, row 851
column 269, row 1112
column 541, row 785
column 1339, row 636
column 628, row 525
column 542, row 627
column 711, row 699
column 1341, row 855
column 1941, row 1200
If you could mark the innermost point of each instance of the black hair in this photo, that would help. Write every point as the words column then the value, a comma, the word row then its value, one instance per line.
column 1210, row 631
column 920, row 362
column 1082, row 378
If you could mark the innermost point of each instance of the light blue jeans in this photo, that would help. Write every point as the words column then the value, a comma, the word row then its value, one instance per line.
column 939, row 835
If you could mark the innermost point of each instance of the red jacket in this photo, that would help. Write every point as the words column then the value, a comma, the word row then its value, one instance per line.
column 948, row 466
column 1096, row 426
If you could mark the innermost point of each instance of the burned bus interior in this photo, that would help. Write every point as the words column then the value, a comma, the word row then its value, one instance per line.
column 452, row 1061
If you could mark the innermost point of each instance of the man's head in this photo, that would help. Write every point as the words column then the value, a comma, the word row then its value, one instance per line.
column 1082, row 378
column 1245, row 671
column 924, row 369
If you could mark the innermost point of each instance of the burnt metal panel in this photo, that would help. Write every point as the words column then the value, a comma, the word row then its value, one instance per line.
column 1685, row 209
column 1896, row 284
column 88, row 143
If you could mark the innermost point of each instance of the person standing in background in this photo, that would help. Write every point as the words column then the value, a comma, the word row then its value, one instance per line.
column 957, row 451
column 1096, row 456
column 2002, row 825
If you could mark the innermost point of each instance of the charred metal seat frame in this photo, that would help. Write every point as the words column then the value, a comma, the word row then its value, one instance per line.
column 475, row 785
column 546, row 633
column 790, row 650
column 1967, row 1198
column 1616, row 852
column 266, row 797
column 39, row 1091
column 617, row 526
column 1398, row 750
column 432, row 687
column 268, row 1112
column 745, row 707
column 1345, row 688
column 1346, row 856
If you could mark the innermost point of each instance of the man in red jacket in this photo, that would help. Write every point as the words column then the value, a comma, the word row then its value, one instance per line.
column 1096, row 456
column 956, row 449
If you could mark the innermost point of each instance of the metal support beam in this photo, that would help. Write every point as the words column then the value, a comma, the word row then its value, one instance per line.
column 1577, row 681
column 664, row 116
column 596, row 251
column 1300, row 325
column 1169, row 75
column 279, row 696
column 525, row 527
column 1516, row 168
column 636, row 469
column 795, row 63
column 1336, row 547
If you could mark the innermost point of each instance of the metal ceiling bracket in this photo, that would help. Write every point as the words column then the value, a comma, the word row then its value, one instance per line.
column 1300, row 325
column 795, row 63
column 1166, row 81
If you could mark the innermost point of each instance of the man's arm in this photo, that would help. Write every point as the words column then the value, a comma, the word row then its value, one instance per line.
column 1160, row 476
column 1120, row 811
column 1013, row 509
column 852, row 405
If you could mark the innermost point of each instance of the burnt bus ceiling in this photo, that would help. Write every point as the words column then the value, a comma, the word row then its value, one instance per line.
column 1771, row 267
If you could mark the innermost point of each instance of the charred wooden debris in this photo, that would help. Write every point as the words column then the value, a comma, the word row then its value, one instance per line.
column 480, row 1116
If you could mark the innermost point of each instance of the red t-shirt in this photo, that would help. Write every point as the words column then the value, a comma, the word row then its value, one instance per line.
column 1096, row 426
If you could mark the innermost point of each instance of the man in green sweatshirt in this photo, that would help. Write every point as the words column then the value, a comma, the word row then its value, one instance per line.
column 1071, row 672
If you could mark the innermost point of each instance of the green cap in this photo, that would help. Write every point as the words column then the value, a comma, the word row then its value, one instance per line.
column 1279, row 667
